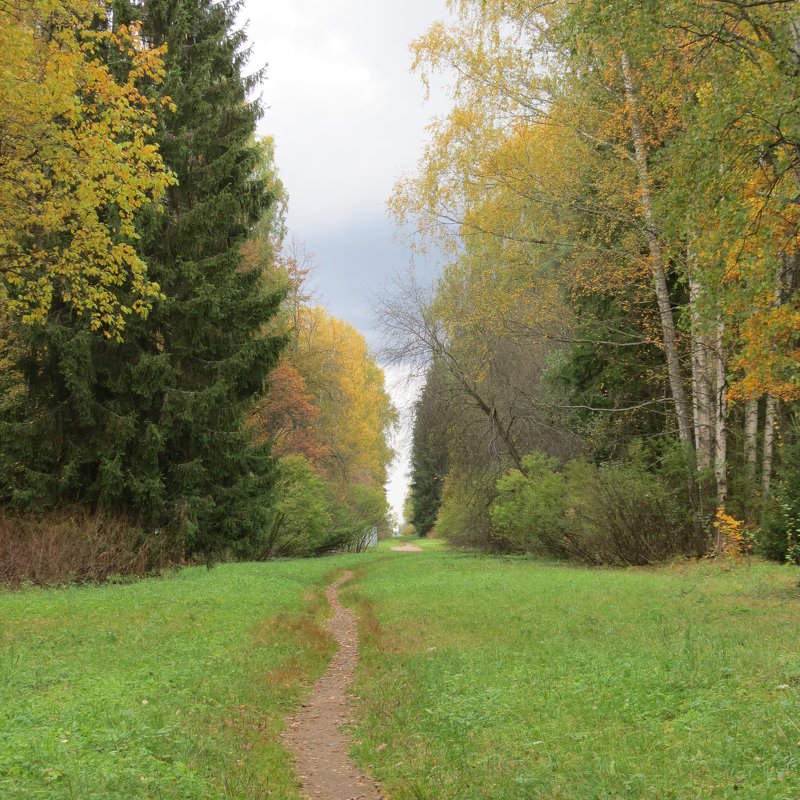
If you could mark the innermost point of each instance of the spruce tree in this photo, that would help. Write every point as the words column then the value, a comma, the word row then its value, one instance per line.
column 154, row 427
column 430, row 459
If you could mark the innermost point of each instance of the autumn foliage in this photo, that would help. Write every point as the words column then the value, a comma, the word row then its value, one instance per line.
column 615, row 192
column 79, row 160
column 328, row 417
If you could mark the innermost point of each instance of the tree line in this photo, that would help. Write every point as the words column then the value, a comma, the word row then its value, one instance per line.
column 611, row 350
column 160, row 363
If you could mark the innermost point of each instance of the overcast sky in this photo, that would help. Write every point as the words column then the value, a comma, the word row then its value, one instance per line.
column 348, row 118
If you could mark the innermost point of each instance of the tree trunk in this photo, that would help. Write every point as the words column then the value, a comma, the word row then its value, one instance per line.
column 769, row 442
column 701, row 384
column 720, row 437
column 657, row 263
column 750, row 435
column 721, row 419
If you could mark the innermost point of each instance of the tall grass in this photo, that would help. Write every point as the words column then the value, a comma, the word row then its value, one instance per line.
column 73, row 545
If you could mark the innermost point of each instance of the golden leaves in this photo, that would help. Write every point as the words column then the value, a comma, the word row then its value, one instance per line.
column 78, row 163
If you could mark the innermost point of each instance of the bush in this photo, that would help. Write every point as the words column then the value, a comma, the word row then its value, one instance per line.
column 609, row 514
column 463, row 518
column 530, row 512
column 74, row 545
column 779, row 536
column 310, row 516
column 623, row 514
column 301, row 521
column 364, row 512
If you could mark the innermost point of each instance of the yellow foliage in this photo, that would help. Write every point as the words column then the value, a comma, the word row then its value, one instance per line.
column 729, row 536
column 76, row 165
column 356, row 415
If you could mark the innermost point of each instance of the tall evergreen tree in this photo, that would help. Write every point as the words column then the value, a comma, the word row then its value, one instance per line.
column 154, row 426
column 429, row 455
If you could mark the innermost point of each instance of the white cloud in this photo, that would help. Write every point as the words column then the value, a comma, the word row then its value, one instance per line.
column 346, row 113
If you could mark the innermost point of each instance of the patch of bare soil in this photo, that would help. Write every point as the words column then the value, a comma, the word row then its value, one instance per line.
column 407, row 548
column 314, row 736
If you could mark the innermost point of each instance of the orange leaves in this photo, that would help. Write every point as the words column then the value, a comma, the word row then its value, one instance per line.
column 730, row 536
column 288, row 417
column 769, row 352
column 80, row 164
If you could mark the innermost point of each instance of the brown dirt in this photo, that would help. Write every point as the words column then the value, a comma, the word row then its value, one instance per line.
column 314, row 736
column 407, row 548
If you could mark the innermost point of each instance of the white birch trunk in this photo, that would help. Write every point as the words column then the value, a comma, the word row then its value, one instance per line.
column 669, row 338
column 769, row 444
column 701, row 383
column 751, row 435
column 721, row 419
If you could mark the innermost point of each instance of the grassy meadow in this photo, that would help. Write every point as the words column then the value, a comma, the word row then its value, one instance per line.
column 165, row 688
column 487, row 678
column 480, row 678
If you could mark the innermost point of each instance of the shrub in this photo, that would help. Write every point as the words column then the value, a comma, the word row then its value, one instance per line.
column 609, row 514
column 365, row 510
column 309, row 515
column 463, row 518
column 300, row 518
column 74, row 545
column 779, row 536
column 530, row 512
column 623, row 514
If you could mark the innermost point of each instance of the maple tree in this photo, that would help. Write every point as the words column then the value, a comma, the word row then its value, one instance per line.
column 78, row 162
column 289, row 419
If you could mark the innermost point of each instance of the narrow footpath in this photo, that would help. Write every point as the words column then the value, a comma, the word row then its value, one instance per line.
column 314, row 736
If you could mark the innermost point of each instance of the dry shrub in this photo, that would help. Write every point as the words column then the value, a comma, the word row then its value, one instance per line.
column 74, row 546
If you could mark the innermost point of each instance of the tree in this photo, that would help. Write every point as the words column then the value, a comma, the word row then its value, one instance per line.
column 288, row 418
column 301, row 520
column 347, row 385
column 624, row 157
column 154, row 427
column 429, row 453
column 78, row 163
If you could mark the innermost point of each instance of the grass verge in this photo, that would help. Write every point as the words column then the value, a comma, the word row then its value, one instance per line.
column 484, row 679
column 165, row 688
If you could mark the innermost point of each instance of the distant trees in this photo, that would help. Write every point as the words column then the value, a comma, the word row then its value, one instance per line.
column 617, row 197
column 429, row 453
column 328, row 415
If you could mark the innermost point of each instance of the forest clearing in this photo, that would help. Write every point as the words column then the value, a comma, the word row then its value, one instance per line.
column 480, row 677
column 499, row 498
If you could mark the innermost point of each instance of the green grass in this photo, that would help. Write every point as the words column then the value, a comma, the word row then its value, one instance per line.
column 486, row 678
column 481, row 678
column 170, row 688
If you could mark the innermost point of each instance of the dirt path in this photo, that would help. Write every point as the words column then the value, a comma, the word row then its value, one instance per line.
column 314, row 736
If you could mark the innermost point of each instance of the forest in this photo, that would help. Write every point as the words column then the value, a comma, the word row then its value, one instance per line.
column 169, row 390
column 597, row 592
column 610, row 355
